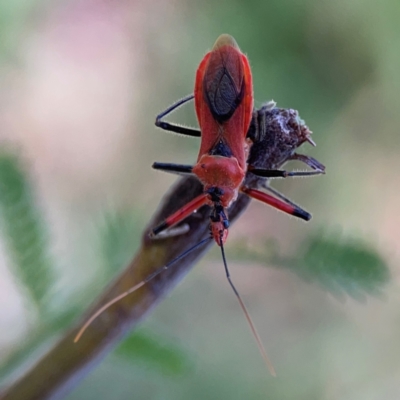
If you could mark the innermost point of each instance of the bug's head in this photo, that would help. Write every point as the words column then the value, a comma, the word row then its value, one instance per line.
column 219, row 224
column 219, row 232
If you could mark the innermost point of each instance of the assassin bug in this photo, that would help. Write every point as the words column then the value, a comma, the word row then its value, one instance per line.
column 228, row 128
column 223, row 97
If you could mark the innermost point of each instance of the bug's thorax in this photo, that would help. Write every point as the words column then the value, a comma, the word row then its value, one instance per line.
column 220, row 172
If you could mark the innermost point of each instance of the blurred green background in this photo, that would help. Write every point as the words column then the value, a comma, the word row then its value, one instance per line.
column 81, row 83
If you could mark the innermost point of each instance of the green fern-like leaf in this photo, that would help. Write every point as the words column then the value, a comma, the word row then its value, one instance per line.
column 120, row 234
column 21, row 225
column 340, row 264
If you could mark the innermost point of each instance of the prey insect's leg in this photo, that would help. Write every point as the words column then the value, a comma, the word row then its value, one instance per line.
column 181, row 214
column 310, row 161
column 174, row 168
column 281, row 196
column 172, row 232
column 183, row 130
column 277, row 203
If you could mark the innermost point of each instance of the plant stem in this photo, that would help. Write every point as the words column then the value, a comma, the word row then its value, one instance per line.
column 66, row 363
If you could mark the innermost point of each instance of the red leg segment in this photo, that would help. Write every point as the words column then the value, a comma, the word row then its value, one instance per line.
column 181, row 214
column 277, row 203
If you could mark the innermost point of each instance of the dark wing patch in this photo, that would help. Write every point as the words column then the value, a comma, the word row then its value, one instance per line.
column 223, row 83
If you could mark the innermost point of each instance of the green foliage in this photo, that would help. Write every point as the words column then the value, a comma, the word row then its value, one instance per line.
column 13, row 19
column 343, row 265
column 152, row 350
column 28, row 248
column 24, row 232
column 119, row 237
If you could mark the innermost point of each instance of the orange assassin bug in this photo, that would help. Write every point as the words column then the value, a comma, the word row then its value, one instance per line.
column 223, row 98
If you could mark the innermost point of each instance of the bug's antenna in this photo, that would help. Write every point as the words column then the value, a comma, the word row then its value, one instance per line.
column 136, row 287
column 247, row 315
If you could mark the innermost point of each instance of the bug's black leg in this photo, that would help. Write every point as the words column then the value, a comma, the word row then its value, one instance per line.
column 173, row 168
column 277, row 173
column 183, row 130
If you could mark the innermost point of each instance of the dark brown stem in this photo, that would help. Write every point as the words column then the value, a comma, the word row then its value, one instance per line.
column 64, row 365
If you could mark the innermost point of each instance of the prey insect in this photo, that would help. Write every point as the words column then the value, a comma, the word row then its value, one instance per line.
column 229, row 129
